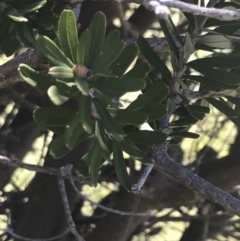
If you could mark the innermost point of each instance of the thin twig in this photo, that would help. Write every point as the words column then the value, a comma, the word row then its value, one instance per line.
column 14, row 235
column 148, row 213
column 209, row 12
column 164, row 164
column 136, row 188
column 37, row 168
column 66, row 206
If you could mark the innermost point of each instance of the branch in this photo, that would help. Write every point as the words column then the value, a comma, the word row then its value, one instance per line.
column 209, row 12
column 136, row 188
column 62, row 188
column 11, row 232
column 164, row 164
column 8, row 71
column 36, row 168
column 144, row 214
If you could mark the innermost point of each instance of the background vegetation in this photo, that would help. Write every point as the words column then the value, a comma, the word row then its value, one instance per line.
column 126, row 118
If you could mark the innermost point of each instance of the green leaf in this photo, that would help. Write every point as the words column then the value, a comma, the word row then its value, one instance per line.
column 128, row 117
column 236, row 121
column 224, row 61
column 83, row 49
column 125, row 59
column 97, row 28
column 154, row 112
column 103, row 93
column 102, row 140
column 223, row 107
column 26, row 35
column 82, row 169
column 130, row 148
column 57, row 147
column 121, row 86
column 188, row 47
column 178, row 129
column 175, row 31
column 53, row 116
column 152, row 96
column 56, row 130
column 85, row 113
column 61, row 93
column 35, row 78
column 108, row 55
column 169, row 37
column 152, row 57
column 82, row 86
column 113, row 36
column 107, row 120
column 218, row 75
column 15, row 15
column 67, row 33
column 95, row 164
column 210, row 82
column 145, row 137
column 141, row 70
column 185, row 134
column 234, row 100
column 120, row 167
column 72, row 131
column 197, row 115
column 51, row 51
column 33, row 7
column 198, row 108
column 184, row 122
column 214, row 41
column 61, row 72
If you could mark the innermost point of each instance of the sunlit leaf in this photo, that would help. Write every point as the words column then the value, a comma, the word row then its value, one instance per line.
column 35, row 78
column 61, row 72
column 67, row 33
column 214, row 40
column 15, row 15
column 82, row 86
column 53, row 52
column 32, row 7
column 61, row 93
